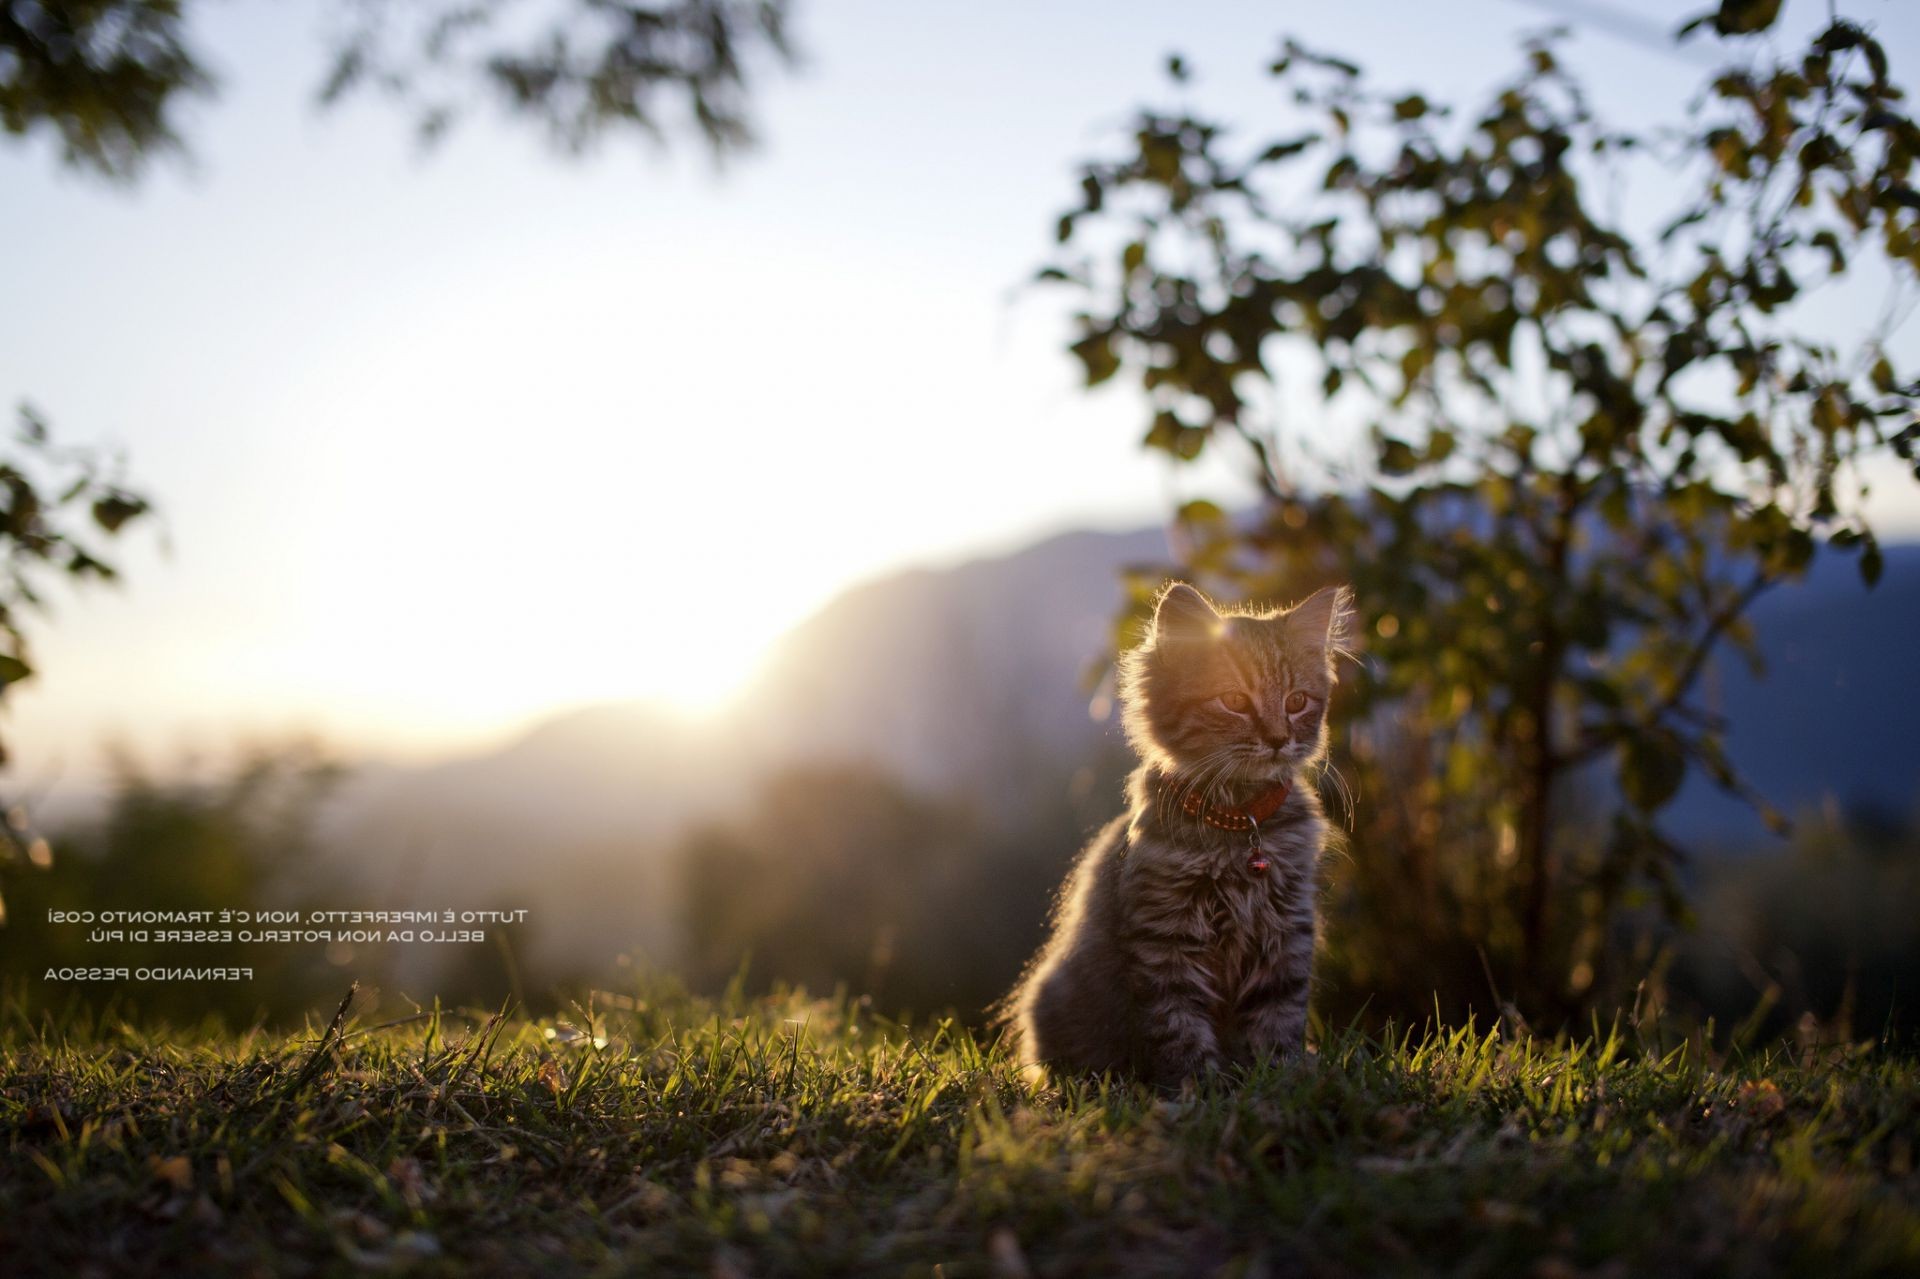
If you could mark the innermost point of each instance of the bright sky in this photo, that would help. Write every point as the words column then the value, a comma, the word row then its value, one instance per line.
column 444, row 443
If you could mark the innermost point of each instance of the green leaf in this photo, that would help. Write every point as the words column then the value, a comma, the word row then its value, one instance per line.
column 1200, row 511
column 1836, row 256
column 1097, row 357
column 1745, row 17
column 1292, row 147
column 1397, row 457
column 114, row 510
column 13, row 670
column 1651, row 770
column 1170, row 435
column 1587, row 623
column 1600, row 692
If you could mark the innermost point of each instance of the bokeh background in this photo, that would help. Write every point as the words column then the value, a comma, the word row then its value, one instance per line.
column 718, row 556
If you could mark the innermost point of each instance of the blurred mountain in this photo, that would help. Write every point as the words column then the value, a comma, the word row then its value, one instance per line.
column 968, row 681
column 564, row 821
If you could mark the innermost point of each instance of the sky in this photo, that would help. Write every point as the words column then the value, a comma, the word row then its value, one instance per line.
column 443, row 442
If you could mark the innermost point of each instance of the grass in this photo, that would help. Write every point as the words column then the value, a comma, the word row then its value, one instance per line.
column 787, row 1136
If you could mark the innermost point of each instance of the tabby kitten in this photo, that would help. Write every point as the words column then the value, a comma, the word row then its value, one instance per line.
column 1183, row 939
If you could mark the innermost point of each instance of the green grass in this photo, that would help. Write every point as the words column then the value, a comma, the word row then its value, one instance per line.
column 794, row 1137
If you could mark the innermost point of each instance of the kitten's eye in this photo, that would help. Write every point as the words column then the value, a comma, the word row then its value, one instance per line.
column 1296, row 702
column 1239, row 703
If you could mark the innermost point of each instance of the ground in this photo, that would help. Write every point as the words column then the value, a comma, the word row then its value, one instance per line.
column 664, row 1135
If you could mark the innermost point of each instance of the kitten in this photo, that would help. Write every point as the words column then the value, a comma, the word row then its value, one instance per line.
column 1183, row 939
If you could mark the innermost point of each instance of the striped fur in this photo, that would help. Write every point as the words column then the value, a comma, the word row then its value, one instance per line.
column 1168, row 955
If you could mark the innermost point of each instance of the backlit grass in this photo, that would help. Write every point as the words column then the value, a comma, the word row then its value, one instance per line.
column 788, row 1136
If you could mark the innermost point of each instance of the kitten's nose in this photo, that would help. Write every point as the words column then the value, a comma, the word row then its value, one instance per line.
column 1277, row 743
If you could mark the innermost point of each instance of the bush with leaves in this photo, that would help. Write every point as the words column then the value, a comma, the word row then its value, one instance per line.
column 1587, row 449
column 102, row 75
column 106, row 76
column 839, row 876
column 56, row 504
column 599, row 67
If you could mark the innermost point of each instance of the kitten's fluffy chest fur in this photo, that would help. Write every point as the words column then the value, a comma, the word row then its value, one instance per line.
column 1199, row 882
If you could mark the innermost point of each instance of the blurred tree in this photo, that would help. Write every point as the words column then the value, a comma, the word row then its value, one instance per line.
column 598, row 66
column 105, row 76
column 52, row 502
column 54, row 506
column 101, row 74
column 1587, row 450
column 243, row 842
column 839, row 876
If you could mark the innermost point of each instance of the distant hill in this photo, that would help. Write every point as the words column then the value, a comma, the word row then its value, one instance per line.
column 962, row 680
column 566, row 821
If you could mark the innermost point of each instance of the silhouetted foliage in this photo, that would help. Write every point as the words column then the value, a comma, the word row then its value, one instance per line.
column 842, row 877
column 103, row 75
column 1588, row 450
column 106, row 75
column 601, row 66
column 56, row 505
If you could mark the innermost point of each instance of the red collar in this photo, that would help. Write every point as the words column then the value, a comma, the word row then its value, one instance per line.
column 1243, row 817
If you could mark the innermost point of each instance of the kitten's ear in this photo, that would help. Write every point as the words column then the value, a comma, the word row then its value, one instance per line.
column 1327, row 614
column 1183, row 613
